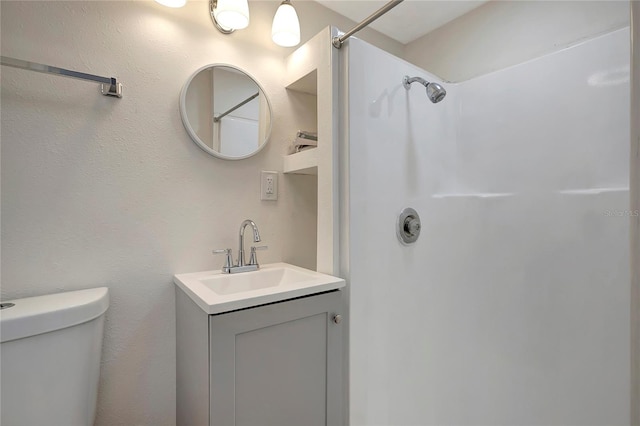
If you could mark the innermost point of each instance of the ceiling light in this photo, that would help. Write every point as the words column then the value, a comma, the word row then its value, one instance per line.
column 286, row 26
column 229, row 15
column 172, row 3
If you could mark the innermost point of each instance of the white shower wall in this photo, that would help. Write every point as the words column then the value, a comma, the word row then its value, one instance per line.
column 512, row 307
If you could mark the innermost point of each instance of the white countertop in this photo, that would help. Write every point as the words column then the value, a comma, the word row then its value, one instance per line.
column 216, row 292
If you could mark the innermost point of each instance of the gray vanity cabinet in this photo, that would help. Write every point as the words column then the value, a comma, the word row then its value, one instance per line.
column 272, row 365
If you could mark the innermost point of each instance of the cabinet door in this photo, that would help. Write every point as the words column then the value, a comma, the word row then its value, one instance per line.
column 278, row 365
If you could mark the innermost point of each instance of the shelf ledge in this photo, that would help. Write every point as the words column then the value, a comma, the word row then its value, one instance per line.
column 302, row 163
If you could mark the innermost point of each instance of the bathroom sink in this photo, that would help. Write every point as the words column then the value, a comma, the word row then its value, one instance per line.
column 216, row 292
column 224, row 284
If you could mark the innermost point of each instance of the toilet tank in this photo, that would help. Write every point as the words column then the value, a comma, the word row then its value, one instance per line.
column 50, row 349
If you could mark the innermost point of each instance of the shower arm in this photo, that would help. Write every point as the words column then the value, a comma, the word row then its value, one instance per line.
column 406, row 81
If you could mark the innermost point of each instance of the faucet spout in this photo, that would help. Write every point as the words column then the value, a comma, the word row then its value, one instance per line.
column 256, row 238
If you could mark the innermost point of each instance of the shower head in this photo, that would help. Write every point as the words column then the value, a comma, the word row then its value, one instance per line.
column 435, row 92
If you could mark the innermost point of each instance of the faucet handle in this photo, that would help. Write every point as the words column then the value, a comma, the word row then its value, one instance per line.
column 227, row 264
column 253, row 259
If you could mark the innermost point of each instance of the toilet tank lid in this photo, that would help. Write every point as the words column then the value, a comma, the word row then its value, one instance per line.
column 41, row 314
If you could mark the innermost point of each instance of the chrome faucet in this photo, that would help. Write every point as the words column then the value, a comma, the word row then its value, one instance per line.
column 241, row 265
column 256, row 239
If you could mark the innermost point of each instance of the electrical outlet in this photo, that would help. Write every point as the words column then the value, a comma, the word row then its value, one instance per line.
column 269, row 186
column 269, row 190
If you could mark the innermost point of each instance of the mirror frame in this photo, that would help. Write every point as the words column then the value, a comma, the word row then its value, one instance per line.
column 196, row 138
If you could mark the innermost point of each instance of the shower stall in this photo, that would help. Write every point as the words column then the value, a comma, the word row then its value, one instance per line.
column 512, row 306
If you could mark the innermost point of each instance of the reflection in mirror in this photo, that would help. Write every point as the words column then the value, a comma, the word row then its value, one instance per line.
column 226, row 112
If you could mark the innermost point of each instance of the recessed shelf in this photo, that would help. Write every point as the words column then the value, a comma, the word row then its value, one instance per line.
column 302, row 163
column 306, row 84
column 311, row 84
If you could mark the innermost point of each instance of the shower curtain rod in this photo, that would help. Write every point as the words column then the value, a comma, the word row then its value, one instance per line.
column 233, row 108
column 337, row 41
column 110, row 86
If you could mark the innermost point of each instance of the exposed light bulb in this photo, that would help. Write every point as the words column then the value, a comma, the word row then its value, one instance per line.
column 285, row 30
column 172, row 3
column 232, row 13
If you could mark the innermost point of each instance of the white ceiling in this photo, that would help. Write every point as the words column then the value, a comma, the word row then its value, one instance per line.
column 409, row 20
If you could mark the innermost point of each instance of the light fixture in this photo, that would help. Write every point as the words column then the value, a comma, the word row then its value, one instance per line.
column 172, row 3
column 229, row 15
column 285, row 30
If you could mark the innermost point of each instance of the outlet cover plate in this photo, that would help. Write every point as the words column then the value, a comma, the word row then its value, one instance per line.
column 268, row 186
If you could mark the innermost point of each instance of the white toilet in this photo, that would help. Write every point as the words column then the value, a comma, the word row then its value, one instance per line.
column 50, row 348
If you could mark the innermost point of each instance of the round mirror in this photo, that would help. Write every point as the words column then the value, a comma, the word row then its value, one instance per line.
column 226, row 112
